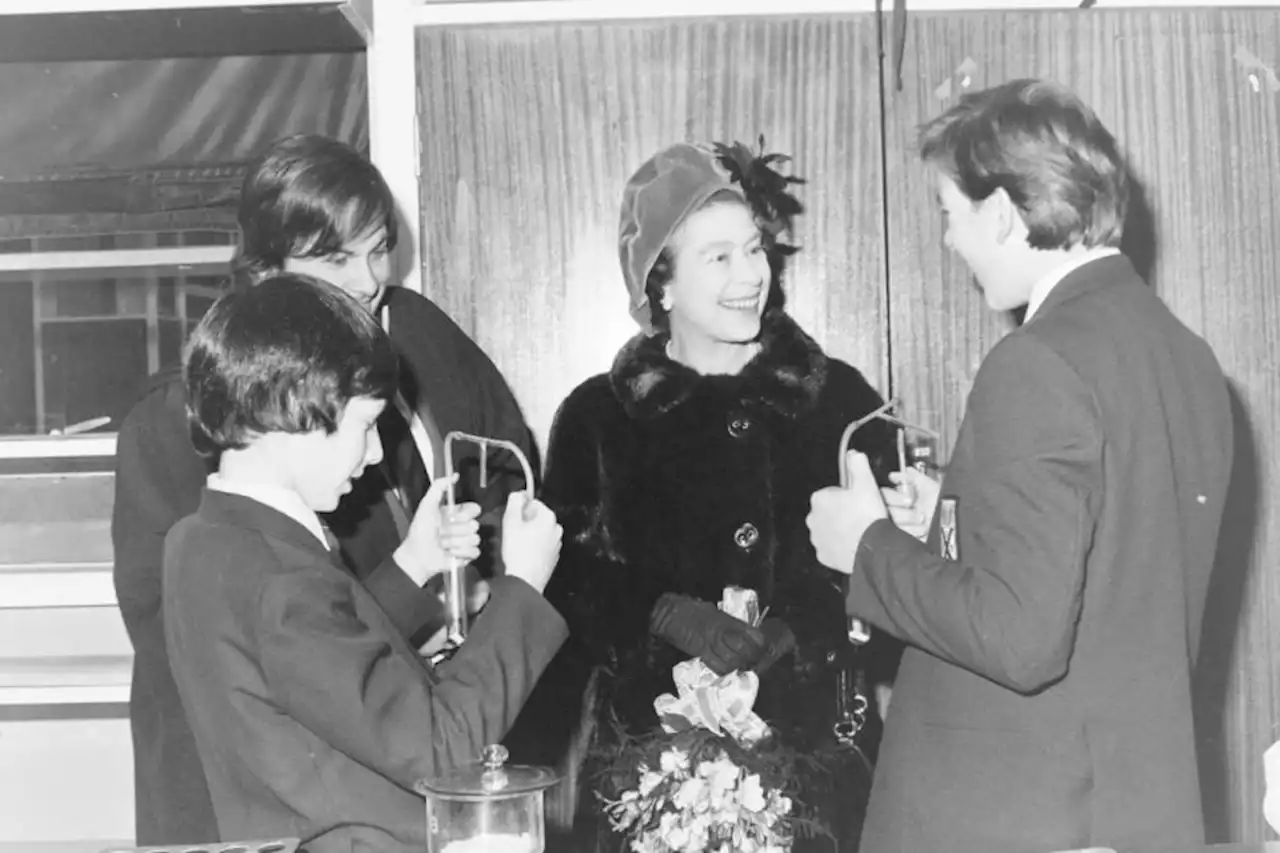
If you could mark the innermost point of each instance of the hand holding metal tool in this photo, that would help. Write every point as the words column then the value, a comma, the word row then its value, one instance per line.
column 455, row 585
column 859, row 632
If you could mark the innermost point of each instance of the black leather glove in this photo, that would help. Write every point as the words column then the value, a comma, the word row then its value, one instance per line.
column 700, row 629
column 779, row 642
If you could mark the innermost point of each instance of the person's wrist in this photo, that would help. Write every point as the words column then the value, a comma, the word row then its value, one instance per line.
column 531, row 578
column 412, row 564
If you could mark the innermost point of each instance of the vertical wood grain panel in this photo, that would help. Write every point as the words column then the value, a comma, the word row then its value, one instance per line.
column 1206, row 147
column 530, row 133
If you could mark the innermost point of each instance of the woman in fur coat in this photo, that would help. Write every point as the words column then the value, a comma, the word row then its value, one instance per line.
column 688, row 467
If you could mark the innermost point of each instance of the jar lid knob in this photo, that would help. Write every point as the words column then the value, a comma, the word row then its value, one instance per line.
column 494, row 777
column 494, row 756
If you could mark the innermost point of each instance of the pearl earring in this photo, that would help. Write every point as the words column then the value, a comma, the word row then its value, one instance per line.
column 666, row 300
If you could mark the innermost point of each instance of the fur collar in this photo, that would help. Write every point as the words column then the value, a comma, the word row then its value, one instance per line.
column 787, row 375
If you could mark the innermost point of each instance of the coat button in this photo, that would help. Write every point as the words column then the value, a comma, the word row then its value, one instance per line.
column 738, row 425
column 746, row 536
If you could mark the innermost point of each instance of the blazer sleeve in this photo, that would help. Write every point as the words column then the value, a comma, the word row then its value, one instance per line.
column 1008, row 609
column 414, row 610
column 339, row 675
column 158, row 479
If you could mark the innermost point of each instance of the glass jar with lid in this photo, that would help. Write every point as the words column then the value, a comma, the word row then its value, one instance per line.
column 487, row 807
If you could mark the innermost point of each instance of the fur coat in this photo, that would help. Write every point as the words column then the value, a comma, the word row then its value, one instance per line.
column 666, row 480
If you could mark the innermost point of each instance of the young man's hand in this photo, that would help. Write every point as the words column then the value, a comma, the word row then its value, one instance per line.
column 911, row 501
column 838, row 516
column 433, row 540
column 530, row 540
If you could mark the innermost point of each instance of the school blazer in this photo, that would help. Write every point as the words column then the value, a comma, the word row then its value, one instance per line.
column 159, row 479
column 1044, row 700
column 312, row 714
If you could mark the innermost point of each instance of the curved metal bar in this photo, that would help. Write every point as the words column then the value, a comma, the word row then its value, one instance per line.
column 851, row 429
column 859, row 632
column 455, row 588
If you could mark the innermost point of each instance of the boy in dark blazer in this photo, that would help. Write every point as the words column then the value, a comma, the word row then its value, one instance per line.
column 313, row 714
column 312, row 205
column 1053, row 614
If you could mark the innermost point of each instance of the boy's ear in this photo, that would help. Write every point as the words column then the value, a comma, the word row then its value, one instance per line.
column 1007, row 217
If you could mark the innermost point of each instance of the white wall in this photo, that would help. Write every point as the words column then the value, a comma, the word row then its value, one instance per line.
column 66, row 780
column 66, row 763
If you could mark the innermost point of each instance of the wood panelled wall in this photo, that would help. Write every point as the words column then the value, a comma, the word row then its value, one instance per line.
column 529, row 133
column 1206, row 148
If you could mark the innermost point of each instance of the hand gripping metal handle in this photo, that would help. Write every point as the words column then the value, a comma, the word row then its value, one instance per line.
column 456, row 587
column 859, row 632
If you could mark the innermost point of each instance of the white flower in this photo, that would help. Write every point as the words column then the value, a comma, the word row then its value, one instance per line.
column 700, row 807
column 643, row 844
column 689, row 793
column 751, row 794
column 696, row 843
column 722, row 774
column 674, row 760
column 626, row 811
column 674, row 835
column 699, row 828
column 726, row 815
column 649, row 781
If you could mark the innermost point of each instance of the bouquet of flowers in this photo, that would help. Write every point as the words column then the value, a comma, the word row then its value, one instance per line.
column 713, row 780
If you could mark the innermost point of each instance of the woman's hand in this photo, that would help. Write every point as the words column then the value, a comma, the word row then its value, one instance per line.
column 700, row 629
column 779, row 642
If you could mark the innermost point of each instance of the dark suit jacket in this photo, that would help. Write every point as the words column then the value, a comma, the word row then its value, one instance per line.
column 313, row 715
column 159, row 479
column 1044, row 700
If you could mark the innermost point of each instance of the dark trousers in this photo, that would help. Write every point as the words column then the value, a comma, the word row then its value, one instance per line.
column 172, row 803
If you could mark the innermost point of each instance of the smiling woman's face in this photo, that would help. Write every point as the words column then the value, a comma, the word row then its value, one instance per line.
column 720, row 275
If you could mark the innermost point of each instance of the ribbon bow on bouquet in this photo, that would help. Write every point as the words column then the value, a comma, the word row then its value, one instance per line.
column 722, row 704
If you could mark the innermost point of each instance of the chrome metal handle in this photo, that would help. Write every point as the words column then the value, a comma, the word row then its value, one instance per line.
column 456, row 587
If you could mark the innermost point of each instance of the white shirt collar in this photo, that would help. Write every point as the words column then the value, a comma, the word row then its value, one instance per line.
column 280, row 499
column 1044, row 286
